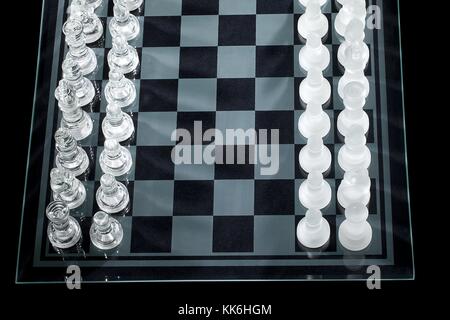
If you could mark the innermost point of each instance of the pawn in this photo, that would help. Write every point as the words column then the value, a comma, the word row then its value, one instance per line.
column 117, row 124
column 355, row 187
column 351, row 9
column 77, row 121
column 67, row 188
column 305, row 2
column 69, row 156
column 63, row 230
column 355, row 232
column 92, row 26
column 315, row 156
column 354, row 34
column 357, row 76
column 83, row 87
column 123, row 23
column 314, row 192
column 313, row 231
column 120, row 90
column 112, row 196
column 78, row 51
column 314, row 54
column 312, row 21
column 353, row 114
column 106, row 232
column 132, row 4
column 94, row 3
column 115, row 159
column 314, row 121
column 354, row 154
column 315, row 88
column 122, row 57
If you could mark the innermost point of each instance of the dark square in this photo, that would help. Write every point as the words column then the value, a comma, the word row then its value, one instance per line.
column 302, row 174
column 338, row 68
column 329, row 247
column 129, row 142
column 237, row 30
column 193, row 198
column 158, row 95
column 154, row 163
column 128, row 211
column 274, row 61
column 235, row 170
column 373, row 209
column 274, row 6
column 151, row 234
column 186, row 120
column 198, row 62
column 281, row 120
column 135, row 74
column 370, row 135
column 200, row 7
column 274, row 197
column 162, row 31
column 233, row 234
column 235, row 94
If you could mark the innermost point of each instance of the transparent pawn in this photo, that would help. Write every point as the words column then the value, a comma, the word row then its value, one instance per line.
column 314, row 54
column 305, row 2
column 123, row 23
column 112, row 196
column 353, row 76
column 122, row 57
column 131, row 4
column 115, row 159
column 92, row 26
column 314, row 121
column 106, row 232
column 69, row 156
column 83, row 87
column 94, row 3
column 355, row 187
column 351, row 9
column 312, row 21
column 353, row 114
column 313, row 231
column 354, row 35
column 74, row 119
column 63, row 230
column 78, row 51
column 67, row 188
column 315, row 156
column 354, row 154
column 117, row 124
column 120, row 90
column 315, row 88
column 355, row 232
column 315, row 192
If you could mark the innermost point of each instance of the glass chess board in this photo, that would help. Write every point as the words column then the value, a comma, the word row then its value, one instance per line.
column 229, row 64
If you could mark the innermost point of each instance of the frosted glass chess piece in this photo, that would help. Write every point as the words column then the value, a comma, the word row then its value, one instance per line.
column 315, row 192
column 120, row 90
column 74, row 119
column 131, row 4
column 351, row 9
column 67, row 188
column 354, row 64
column 112, row 196
column 305, row 2
column 354, row 35
column 92, row 26
column 312, row 21
column 355, row 187
column 314, row 121
column 83, row 87
column 63, row 230
column 353, row 114
column 122, row 57
column 69, row 156
column 115, row 159
column 123, row 23
column 94, row 3
column 313, row 231
column 314, row 54
column 354, row 154
column 117, row 124
column 315, row 88
column 106, row 232
column 355, row 232
column 315, row 156
column 78, row 51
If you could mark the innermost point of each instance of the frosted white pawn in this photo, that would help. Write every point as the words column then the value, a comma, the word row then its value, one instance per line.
column 314, row 54
column 315, row 156
column 78, row 51
column 115, row 159
column 117, row 124
column 312, row 21
column 69, row 156
column 351, row 9
column 120, row 90
column 305, row 2
column 315, row 192
column 83, row 87
column 112, row 196
column 63, row 231
column 354, row 154
column 106, row 233
column 315, row 88
column 314, row 121
column 357, row 76
column 355, row 187
column 313, row 231
column 354, row 34
column 355, row 232
column 77, row 121
column 355, row 57
column 123, row 23
column 122, row 57
column 131, row 4
column 92, row 26
column 67, row 188
column 94, row 3
column 353, row 114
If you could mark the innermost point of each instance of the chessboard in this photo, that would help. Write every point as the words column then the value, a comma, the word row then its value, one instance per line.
column 229, row 64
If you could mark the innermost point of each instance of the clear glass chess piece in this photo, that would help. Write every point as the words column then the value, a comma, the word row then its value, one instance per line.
column 313, row 231
column 351, row 9
column 314, row 54
column 315, row 192
column 122, row 57
column 92, row 26
column 312, row 21
column 67, row 188
column 315, row 156
column 314, row 121
column 94, row 3
column 115, row 159
column 355, row 187
column 106, row 232
column 83, row 87
column 123, row 23
column 63, row 230
column 355, row 232
column 353, row 113
column 112, row 196
column 120, row 90
column 117, row 124
column 132, row 4
column 315, row 88
column 305, row 2
column 354, row 155
column 69, row 156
